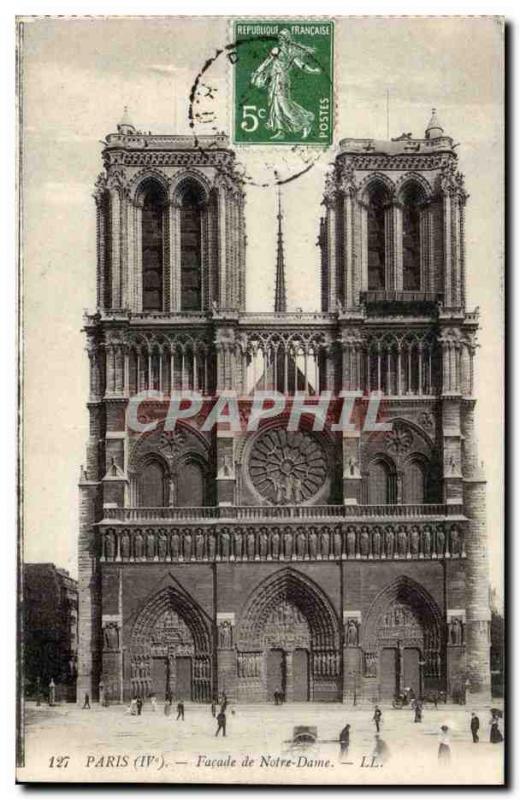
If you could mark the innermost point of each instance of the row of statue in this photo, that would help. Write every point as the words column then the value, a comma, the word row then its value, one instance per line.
column 325, row 664
column 274, row 543
column 249, row 665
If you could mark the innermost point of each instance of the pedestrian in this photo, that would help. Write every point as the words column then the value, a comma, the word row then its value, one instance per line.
column 167, row 707
column 495, row 737
column 133, row 706
column 214, row 708
column 153, row 702
column 381, row 750
column 180, row 710
column 139, row 704
column 418, row 712
column 224, row 703
column 474, row 726
column 86, row 702
column 221, row 723
column 444, row 754
column 377, row 717
column 277, row 698
column 344, row 742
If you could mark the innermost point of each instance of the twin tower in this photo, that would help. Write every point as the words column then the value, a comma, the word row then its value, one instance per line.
column 324, row 564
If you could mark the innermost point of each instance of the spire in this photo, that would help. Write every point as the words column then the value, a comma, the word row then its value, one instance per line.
column 280, row 298
column 434, row 128
column 125, row 126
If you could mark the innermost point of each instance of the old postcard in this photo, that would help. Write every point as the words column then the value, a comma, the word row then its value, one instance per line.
column 261, row 262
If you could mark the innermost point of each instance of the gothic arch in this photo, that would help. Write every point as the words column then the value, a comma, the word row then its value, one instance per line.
column 137, row 185
column 374, row 181
column 407, row 591
column 188, row 178
column 294, row 587
column 186, row 634
column 413, row 179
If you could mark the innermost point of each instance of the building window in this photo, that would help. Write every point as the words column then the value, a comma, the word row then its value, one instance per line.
column 415, row 483
column 191, row 250
column 190, row 487
column 153, row 248
column 411, row 241
column 376, row 240
column 382, row 485
column 153, row 486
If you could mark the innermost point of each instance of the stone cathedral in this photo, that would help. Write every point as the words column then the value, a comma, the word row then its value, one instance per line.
column 328, row 565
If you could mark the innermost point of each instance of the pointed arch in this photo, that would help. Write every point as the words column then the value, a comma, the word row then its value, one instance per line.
column 407, row 591
column 296, row 588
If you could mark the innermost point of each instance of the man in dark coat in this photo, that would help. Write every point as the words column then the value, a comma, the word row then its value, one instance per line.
column 344, row 742
column 86, row 704
column 377, row 717
column 180, row 710
column 474, row 726
column 221, row 720
column 139, row 703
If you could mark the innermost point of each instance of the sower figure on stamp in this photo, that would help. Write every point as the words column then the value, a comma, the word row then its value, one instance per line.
column 221, row 720
column 285, row 115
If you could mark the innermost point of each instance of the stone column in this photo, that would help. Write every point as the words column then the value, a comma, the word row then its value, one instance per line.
column 89, row 600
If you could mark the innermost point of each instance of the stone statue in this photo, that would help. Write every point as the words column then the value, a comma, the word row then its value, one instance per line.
column 175, row 545
column 301, row 543
column 186, row 541
column 263, row 542
column 150, row 546
column 352, row 633
column 211, row 547
column 389, row 537
column 251, row 544
column 401, row 541
column 351, row 543
column 199, row 544
column 427, row 542
column 238, row 545
column 454, row 541
column 138, row 546
column 275, row 544
column 162, row 546
column 325, row 543
column 364, row 542
column 337, row 542
column 440, row 541
column 414, row 541
column 313, row 543
column 225, row 635
column 376, row 543
column 288, row 543
column 110, row 549
column 224, row 544
column 111, row 636
column 456, row 631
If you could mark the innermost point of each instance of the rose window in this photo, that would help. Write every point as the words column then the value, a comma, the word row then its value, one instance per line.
column 287, row 468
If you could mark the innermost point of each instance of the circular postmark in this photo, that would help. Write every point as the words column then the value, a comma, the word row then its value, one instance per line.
column 281, row 152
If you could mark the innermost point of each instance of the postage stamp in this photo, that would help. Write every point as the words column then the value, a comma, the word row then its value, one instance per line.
column 260, row 529
column 283, row 82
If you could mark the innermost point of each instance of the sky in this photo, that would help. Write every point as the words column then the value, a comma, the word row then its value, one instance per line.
column 78, row 74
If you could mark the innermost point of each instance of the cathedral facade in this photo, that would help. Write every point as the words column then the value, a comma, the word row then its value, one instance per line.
column 327, row 564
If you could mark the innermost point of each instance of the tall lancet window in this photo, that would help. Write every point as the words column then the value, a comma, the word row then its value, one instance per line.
column 411, row 241
column 153, row 248
column 376, row 240
column 191, row 249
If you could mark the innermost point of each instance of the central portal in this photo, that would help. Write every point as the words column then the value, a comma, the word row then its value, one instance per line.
column 276, row 672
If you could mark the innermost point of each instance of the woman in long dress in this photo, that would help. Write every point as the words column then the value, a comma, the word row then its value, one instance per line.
column 285, row 114
column 495, row 737
column 444, row 745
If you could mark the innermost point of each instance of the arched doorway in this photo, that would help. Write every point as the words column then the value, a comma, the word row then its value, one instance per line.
column 170, row 650
column 288, row 642
column 402, row 641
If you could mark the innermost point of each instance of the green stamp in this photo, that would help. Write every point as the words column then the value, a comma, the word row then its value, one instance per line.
column 283, row 82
